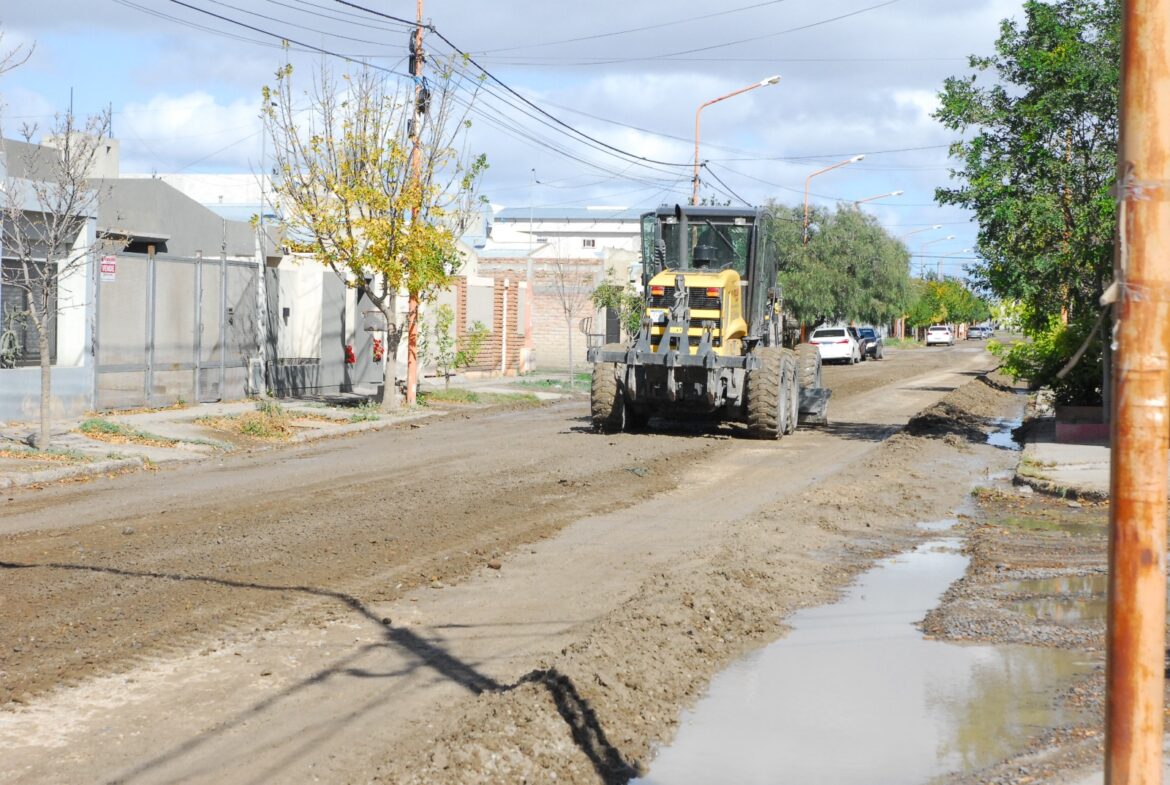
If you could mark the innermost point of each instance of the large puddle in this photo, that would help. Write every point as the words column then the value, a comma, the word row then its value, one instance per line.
column 855, row 694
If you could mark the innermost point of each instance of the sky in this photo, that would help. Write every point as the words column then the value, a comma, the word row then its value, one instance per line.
column 619, row 84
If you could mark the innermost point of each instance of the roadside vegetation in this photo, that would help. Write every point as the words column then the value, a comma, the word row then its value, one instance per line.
column 104, row 430
column 1036, row 129
column 269, row 421
column 462, row 396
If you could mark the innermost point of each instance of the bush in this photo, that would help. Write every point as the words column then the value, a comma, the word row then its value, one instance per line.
column 1039, row 360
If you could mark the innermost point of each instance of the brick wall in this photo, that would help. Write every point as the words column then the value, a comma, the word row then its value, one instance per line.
column 550, row 340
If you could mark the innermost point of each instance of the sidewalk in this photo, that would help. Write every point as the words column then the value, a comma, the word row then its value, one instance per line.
column 1075, row 471
column 154, row 437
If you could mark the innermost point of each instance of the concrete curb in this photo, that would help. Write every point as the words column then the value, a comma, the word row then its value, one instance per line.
column 1057, row 490
column 71, row 472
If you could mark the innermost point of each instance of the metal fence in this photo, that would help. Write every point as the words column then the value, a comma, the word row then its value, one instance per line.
column 173, row 328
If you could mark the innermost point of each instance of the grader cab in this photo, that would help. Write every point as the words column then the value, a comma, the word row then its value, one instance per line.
column 710, row 341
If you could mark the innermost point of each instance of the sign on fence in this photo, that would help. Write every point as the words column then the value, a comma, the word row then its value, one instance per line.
column 109, row 268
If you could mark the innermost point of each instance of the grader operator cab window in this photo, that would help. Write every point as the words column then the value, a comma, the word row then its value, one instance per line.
column 709, row 243
column 719, row 246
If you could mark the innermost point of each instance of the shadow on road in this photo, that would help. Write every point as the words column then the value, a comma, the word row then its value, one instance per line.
column 582, row 721
column 860, row 431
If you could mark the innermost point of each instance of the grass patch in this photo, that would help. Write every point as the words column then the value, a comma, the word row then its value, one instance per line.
column 456, row 395
column 901, row 343
column 270, row 421
column 116, row 433
column 581, row 381
column 366, row 412
column 53, row 455
column 461, row 396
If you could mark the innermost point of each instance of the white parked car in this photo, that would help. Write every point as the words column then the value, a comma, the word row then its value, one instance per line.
column 939, row 335
column 835, row 343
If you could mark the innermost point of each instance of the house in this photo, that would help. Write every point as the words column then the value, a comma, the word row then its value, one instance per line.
column 565, row 253
column 174, row 302
column 22, row 167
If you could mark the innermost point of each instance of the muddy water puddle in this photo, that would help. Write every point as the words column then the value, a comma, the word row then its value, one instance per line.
column 1001, row 436
column 856, row 694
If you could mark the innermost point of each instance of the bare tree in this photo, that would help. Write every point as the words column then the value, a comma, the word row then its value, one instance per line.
column 45, row 238
column 572, row 288
column 347, row 192
column 16, row 56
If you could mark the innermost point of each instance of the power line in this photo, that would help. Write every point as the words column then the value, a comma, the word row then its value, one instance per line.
column 525, row 100
column 752, row 39
column 634, row 29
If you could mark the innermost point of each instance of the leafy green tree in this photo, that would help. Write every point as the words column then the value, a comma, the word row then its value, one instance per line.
column 1038, row 128
column 438, row 343
column 851, row 268
column 945, row 301
column 348, row 193
column 625, row 300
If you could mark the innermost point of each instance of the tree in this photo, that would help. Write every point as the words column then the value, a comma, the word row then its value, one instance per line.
column 450, row 353
column 572, row 289
column 347, row 192
column 46, row 240
column 851, row 268
column 945, row 301
column 1037, row 157
column 626, row 301
column 16, row 56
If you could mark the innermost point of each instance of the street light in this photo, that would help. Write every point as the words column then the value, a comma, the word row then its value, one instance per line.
column 923, row 229
column 879, row 196
column 762, row 83
column 922, row 247
column 847, row 161
column 938, row 270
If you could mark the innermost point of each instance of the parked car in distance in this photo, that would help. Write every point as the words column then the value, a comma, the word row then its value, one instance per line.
column 978, row 332
column 836, row 344
column 871, row 342
column 855, row 335
column 939, row 335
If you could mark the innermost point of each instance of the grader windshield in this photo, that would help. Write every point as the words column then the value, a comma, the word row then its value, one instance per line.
column 698, row 242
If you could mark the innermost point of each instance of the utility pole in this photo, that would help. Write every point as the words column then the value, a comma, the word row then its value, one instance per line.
column 1136, row 633
column 416, row 69
column 529, row 278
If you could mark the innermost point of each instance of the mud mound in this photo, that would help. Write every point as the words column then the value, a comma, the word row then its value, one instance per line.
column 968, row 413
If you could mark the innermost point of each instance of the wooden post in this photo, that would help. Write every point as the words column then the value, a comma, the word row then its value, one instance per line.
column 1136, row 634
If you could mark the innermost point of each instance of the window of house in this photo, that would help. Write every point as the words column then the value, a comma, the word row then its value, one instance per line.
column 14, row 318
column 588, row 242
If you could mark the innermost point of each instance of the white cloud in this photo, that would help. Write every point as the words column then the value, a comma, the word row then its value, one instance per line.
column 171, row 133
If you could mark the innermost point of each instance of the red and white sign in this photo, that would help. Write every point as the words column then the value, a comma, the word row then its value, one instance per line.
column 109, row 268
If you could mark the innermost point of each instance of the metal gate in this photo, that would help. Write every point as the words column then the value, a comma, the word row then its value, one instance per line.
column 173, row 328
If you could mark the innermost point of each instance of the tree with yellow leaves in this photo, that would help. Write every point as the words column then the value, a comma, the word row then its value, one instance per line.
column 346, row 192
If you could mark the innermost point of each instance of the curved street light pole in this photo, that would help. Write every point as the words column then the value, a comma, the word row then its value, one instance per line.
column 879, row 196
column 922, row 247
column 916, row 231
column 938, row 270
column 762, row 83
column 837, row 165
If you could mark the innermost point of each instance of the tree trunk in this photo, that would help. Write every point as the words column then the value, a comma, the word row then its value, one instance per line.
column 569, row 324
column 389, row 400
column 43, row 434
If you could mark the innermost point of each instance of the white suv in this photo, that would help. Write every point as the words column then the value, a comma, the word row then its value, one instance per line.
column 939, row 334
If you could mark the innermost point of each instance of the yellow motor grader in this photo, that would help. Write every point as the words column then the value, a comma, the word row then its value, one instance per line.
column 710, row 340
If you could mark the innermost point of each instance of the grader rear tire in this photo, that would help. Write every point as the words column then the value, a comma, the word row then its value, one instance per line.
column 808, row 366
column 763, row 391
column 789, row 391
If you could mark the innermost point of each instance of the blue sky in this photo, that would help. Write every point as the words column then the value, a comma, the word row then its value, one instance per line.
column 858, row 75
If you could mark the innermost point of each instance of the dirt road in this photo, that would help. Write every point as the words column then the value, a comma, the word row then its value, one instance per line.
column 496, row 598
